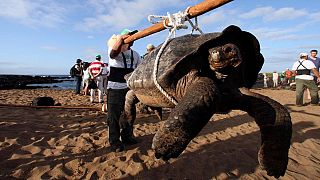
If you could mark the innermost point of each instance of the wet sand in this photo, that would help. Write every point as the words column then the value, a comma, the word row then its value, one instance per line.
column 73, row 143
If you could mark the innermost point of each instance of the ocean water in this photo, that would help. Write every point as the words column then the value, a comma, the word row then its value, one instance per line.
column 67, row 83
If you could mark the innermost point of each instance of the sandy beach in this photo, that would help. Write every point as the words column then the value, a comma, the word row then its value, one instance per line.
column 73, row 143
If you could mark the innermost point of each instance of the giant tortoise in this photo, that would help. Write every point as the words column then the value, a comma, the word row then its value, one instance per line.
column 208, row 74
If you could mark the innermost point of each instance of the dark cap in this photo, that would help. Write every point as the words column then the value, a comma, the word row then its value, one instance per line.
column 79, row 61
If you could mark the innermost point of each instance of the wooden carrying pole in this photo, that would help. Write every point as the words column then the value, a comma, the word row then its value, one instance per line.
column 51, row 107
column 194, row 11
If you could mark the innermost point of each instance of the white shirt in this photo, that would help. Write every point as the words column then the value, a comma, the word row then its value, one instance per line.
column 275, row 75
column 105, row 71
column 308, row 64
column 118, row 62
column 86, row 74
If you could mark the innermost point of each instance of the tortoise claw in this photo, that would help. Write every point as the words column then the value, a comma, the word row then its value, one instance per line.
column 273, row 157
column 168, row 145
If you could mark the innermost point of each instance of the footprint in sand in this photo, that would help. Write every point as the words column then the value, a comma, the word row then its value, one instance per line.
column 31, row 148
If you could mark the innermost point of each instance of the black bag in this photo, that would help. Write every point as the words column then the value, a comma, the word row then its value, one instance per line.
column 92, row 84
column 304, row 71
column 42, row 101
column 73, row 71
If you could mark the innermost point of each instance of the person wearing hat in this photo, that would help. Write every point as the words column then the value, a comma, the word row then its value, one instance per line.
column 78, row 75
column 275, row 77
column 150, row 48
column 123, row 60
column 288, row 76
column 316, row 61
column 95, row 71
column 104, row 75
column 303, row 68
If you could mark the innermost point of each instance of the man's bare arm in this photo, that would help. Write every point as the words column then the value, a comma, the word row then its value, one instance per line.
column 316, row 72
column 116, row 49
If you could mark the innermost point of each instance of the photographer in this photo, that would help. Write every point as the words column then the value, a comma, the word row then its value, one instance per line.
column 78, row 75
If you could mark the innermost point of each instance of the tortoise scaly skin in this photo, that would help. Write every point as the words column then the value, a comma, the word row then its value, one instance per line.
column 208, row 74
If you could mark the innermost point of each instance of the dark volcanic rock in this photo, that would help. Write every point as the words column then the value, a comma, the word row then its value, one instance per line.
column 21, row 81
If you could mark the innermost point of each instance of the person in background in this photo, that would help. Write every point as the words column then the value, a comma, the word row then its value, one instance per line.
column 265, row 80
column 316, row 61
column 288, row 77
column 275, row 77
column 95, row 71
column 104, row 75
column 86, row 77
column 150, row 48
column 123, row 60
column 282, row 78
column 303, row 68
column 78, row 75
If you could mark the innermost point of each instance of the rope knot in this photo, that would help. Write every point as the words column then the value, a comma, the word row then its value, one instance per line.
column 175, row 22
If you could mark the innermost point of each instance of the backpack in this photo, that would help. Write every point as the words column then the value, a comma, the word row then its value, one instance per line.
column 73, row 71
column 42, row 101
column 304, row 71
column 92, row 84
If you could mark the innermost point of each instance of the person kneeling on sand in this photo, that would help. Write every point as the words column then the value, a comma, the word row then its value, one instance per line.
column 302, row 68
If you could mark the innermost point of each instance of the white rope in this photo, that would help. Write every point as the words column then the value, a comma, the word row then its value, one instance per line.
column 155, row 69
column 175, row 22
column 195, row 26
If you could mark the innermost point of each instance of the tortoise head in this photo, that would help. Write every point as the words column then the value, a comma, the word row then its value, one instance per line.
column 224, row 56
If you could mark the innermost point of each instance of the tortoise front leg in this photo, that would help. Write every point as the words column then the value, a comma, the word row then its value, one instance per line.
column 275, row 125
column 186, row 120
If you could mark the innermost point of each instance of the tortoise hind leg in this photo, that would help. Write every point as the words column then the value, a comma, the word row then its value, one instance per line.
column 186, row 120
column 157, row 111
column 275, row 125
column 129, row 115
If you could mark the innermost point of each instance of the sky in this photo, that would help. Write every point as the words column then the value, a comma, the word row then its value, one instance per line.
column 47, row 36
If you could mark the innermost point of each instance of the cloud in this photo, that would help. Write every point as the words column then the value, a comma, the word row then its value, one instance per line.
column 316, row 15
column 309, row 47
column 271, row 14
column 33, row 13
column 262, row 11
column 275, row 33
column 50, row 48
column 289, row 33
column 90, row 53
column 12, row 67
column 212, row 18
column 122, row 13
column 90, row 37
column 8, row 63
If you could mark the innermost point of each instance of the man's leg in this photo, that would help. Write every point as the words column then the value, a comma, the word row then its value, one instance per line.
column 92, row 94
column 99, row 82
column 313, row 88
column 78, row 84
column 299, row 92
column 115, row 108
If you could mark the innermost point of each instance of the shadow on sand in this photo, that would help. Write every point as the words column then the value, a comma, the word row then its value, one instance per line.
column 233, row 156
